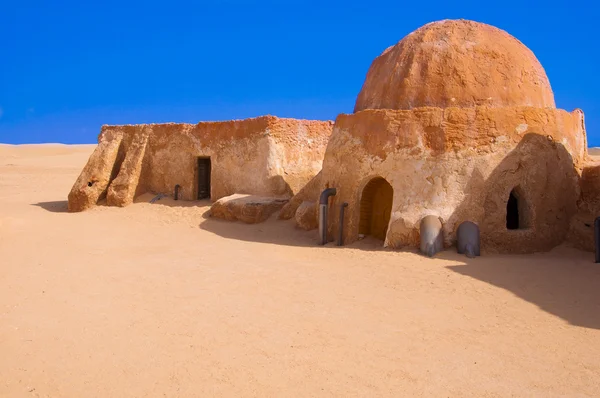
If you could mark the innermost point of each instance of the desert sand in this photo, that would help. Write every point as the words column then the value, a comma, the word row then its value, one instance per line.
column 159, row 300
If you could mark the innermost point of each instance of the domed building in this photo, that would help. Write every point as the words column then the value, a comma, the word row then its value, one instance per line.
column 456, row 64
column 457, row 120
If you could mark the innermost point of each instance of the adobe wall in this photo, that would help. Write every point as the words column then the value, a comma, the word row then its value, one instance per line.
column 581, row 233
column 301, row 149
column 460, row 164
column 238, row 152
column 264, row 156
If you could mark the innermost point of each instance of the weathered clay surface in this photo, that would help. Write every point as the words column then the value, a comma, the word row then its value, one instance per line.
column 265, row 156
column 456, row 63
column 581, row 232
column 308, row 193
column 461, row 164
column 247, row 208
column 306, row 216
column 122, row 189
column 101, row 167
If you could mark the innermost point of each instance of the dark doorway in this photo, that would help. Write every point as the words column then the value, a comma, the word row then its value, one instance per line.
column 204, row 178
column 518, row 213
column 376, row 208
column 512, row 211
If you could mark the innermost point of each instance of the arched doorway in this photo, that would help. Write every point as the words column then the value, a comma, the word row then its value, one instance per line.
column 517, row 210
column 376, row 208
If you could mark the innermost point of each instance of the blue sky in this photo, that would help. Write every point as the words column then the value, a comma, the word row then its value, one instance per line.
column 68, row 67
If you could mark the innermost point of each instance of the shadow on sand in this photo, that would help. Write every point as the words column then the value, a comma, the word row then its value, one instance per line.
column 58, row 206
column 563, row 282
column 566, row 285
column 61, row 206
column 167, row 200
column 279, row 232
column 271, row 231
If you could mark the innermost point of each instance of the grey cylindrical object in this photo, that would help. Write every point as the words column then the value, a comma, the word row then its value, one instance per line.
column 176, row 194
column 323, row 200
column 468, row 239
column 432, row 238
column 322, row 224
column 340, row 241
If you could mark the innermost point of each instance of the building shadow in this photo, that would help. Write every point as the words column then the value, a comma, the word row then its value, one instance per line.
column 559, row 280
column 279, row 232
column 541, row 172
column 271, row 231
column 168, row 200
column 58, row 206
column 562, row 282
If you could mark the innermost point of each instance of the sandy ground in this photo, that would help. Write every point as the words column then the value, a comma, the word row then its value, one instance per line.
column 159, row 300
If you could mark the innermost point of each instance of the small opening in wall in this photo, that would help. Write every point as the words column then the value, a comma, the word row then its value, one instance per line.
column 203, row 174
column 512, row 212
column 517, row 210
column 90, row 183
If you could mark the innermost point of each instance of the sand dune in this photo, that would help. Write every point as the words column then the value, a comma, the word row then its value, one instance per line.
column 160, row 300
column 594, row 151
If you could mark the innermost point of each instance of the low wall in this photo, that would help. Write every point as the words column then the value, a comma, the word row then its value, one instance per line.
column 265, row 156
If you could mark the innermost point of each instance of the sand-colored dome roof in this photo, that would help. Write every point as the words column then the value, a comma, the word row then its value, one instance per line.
column 456, row 63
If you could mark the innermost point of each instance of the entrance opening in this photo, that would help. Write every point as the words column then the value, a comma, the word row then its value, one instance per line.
column 204, row 178
column 512, row 212
column 376, row 208
column 517, row 211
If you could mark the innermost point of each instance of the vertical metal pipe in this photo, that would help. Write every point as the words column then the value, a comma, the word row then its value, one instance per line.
column 176, row 194
column 597, row 238
column 340, row 241
column 323, row 202
column 322, row 224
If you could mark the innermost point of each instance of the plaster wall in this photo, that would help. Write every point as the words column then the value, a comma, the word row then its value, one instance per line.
column 460, row 164
column 264, row 156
